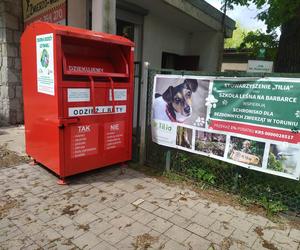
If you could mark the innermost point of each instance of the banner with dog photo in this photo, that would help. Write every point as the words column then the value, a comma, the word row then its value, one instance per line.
column 250, row 122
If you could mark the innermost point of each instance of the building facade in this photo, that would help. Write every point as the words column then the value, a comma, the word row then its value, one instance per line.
column 177, row 34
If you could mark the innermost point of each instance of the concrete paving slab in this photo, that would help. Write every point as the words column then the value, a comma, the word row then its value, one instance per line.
column 13, row 138
column 96, row 212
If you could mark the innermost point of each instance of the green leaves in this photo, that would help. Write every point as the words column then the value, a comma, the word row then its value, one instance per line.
column 272, row 207
column 201, row 174
column 260, row 40
column 231, row 3
column 256, row 40
column 275, row 164
column 237, row 38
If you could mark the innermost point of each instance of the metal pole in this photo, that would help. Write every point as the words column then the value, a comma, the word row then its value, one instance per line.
column 168, row 161
column 143, row 112
column 223, row 24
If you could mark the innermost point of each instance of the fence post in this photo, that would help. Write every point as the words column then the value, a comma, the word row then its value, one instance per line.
column 143, row 112
column 168, row 161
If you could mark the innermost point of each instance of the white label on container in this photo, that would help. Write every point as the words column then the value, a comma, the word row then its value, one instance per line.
column 78, row 95
column 84, row 140
column 45, row 64
column 84, row 111
column 119, row 94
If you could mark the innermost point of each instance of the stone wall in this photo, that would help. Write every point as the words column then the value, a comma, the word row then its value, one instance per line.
column 11, row 26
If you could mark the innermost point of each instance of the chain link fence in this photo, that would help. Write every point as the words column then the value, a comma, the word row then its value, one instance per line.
column 250, row 185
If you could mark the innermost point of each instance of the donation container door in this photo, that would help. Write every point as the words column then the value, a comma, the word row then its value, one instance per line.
column 97, row 104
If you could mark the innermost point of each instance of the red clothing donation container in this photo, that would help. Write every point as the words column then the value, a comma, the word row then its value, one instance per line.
column 78, row 97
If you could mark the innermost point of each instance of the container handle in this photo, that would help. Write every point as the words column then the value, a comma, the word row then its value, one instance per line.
column 93, row 93
column 68, row 121
column 112, row 93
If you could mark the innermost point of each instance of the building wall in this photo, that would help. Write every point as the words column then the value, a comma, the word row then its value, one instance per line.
column 11, row 25
column 240, row 67
column 104, row 16
column 160, row 36
column 207, row 45
column 77, row 13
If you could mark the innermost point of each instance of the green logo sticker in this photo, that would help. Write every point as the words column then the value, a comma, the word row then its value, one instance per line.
column 45, row 58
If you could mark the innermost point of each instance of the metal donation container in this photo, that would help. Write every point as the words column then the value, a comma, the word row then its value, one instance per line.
column 78, row 97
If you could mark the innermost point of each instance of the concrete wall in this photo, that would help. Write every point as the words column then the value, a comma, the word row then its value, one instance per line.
column 77, row 13
column 11, row 101
column 207, row 45
column 228, row 66
column 160, row 36
column 104, row 16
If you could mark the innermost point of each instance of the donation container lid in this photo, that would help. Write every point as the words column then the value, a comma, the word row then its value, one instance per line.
column 99, row 54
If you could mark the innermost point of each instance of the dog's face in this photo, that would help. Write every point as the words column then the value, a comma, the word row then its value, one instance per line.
column 180, row 97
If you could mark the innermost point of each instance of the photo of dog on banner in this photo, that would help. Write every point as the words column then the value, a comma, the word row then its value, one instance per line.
column 181, row 100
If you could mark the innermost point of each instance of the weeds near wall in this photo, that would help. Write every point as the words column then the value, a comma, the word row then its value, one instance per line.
column 272, row 207
column 273, row 193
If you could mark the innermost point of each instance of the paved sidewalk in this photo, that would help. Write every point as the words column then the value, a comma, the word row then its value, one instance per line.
column 14, row 139
column 105, row 209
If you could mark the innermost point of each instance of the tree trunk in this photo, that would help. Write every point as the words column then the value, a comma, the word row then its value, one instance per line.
column 288, row 57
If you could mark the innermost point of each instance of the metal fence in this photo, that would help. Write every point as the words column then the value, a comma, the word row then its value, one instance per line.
column 249, row 184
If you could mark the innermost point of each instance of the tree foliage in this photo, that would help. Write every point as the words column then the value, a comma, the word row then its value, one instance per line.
column 286, row 15
column 237, row 38
column 256, row 40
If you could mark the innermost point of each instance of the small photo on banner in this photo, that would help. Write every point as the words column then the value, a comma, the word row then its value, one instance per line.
column 184, row 137
column 210, row 143
column 180, row 100
column 246, row 151
column 283, row 158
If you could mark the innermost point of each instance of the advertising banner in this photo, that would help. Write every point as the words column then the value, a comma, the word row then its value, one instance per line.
column 51, row 11
column 250, row 122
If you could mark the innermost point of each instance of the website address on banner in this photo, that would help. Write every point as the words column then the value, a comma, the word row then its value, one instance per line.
column 253, row 131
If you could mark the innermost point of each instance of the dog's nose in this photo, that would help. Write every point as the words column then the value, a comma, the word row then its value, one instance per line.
column 187, row 109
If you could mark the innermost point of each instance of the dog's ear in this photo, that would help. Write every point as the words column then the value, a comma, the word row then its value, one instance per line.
column 192, row 84
column 168, row 95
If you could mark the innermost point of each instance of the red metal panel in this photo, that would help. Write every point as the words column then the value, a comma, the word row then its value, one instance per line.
column 40, row 110
column 87, row 123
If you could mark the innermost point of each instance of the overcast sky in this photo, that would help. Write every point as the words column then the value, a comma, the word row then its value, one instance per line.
column 243, row 15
